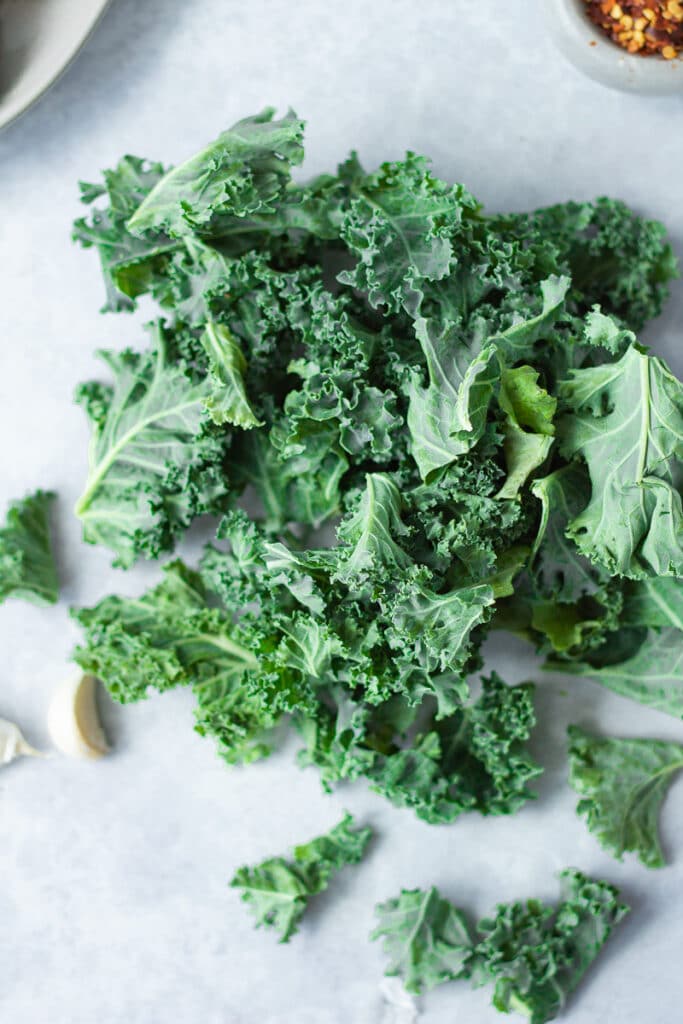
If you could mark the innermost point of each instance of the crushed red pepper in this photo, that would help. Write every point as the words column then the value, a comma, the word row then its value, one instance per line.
column 647, row 28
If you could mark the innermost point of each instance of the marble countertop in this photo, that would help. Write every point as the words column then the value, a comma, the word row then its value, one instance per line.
column 113, row 899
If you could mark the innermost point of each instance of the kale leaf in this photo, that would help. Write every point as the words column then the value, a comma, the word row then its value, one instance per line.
column 278, row 890
column 426, row 939
column 27, row 565
column 155, row 463
column 622, row 784
column 534, row 955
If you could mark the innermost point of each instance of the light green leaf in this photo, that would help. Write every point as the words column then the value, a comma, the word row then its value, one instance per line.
column 370, row 531
column 656, row 602
column 151, row 466
column 447, row 418
column 603, row 330
column 622, row 784
column 525, row 402
column 228, row 402
column 427, row 940
column 27, row 566
column 524, row 452
column 627, row 424
column 529, row 428
column 653, row 675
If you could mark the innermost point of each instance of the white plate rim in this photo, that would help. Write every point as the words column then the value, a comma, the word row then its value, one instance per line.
column 16, row 111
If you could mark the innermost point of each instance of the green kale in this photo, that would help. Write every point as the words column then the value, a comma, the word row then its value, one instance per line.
column 656, row 603
column 242, row 174
column 646, row 666
column 473, row 760
column 633, row 522
column 129, row 265
column 27, row 566
column 277, row 891
column 616, row 259
column 427, row 940
column 534, row 955
column 155, row 463
column 444, row 424
column 622, row 784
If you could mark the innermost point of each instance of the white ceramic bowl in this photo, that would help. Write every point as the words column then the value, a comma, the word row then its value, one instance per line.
column 38, row 38
column 592, row 52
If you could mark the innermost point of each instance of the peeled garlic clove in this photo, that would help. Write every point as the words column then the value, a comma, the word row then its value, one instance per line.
column 73, row 721
column 13, row 744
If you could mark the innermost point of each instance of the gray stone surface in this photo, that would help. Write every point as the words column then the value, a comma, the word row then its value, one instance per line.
column 113, row 897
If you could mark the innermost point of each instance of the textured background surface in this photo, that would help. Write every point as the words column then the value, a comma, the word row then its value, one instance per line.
column 113, row 896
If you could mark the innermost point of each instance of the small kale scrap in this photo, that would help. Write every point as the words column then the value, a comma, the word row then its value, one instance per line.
column 428, row 941
column 534, row 955
column 278, row 890
column 622, row 784
column 27, row 565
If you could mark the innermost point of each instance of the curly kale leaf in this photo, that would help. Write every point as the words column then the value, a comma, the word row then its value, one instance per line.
column 242, row 173
column 161, row 639
column 27, row 565
column 626, row 421
column 473, row 760
column 622, row 784
column 399, row 225
column 448, row 417
column 534, row 955
column 177, row 635
column 369, row 533
column 278, row 890
column 617, row 260
column 130, row 265
column 154, row 463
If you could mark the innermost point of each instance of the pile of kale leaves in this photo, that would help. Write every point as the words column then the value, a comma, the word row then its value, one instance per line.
column 441, row 423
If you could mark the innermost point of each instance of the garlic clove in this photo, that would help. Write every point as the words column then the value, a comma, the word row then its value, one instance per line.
column 73, row 720
column 13, row 744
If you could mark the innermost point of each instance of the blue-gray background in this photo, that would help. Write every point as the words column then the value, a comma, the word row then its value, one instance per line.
column 113, row 897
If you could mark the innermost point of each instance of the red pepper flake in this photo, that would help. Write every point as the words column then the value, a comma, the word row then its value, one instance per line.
column 649, row 28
